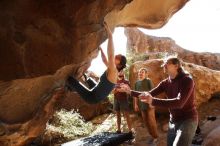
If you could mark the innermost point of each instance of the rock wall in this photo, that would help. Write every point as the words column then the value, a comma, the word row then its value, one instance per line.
column 88, row 111
column 139, row 42
column 42, row 42
column 38, row 37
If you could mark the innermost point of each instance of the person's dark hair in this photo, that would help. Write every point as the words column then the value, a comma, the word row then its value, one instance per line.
column 176, row 61
column 123, row 62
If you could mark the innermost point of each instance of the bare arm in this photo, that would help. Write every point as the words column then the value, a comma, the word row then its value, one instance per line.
column 104, row 59
column 110, row 48
column 135, row 98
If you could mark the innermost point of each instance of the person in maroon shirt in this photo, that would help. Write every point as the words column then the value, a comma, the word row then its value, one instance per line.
column 179, row 88
column 121, row 102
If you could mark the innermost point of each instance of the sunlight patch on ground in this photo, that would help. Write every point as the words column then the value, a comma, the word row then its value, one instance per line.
column 70, row 125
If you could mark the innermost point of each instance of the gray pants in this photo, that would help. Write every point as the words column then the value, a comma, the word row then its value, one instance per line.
column 181, row 133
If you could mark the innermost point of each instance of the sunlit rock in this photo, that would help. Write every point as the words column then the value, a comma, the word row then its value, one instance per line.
column 157, row 47
column 38, row 38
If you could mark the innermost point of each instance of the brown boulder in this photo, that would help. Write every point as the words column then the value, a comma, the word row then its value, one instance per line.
column 88, row 111
column 27, row 104
column 209, row 126
column 39, row 37
column 139, row 42
column 213, row 139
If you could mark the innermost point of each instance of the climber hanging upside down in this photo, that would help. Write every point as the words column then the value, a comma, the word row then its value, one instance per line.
column 99, row 91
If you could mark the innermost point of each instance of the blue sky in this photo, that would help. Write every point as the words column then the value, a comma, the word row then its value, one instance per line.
column 195, row 27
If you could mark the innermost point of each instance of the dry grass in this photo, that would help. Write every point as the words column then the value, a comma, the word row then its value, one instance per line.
column 69, row 125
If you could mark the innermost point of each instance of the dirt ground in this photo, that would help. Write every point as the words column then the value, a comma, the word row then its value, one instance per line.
column 107, row 123
column 211, row 108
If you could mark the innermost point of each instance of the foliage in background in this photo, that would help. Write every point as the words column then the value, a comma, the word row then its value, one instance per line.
column 133, row 57
column 111, row 98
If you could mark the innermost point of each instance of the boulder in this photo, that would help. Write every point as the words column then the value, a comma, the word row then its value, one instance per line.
column 213, row 139
column 39, row 37
column 209, row 126
column 43, row 42
column 157, row 47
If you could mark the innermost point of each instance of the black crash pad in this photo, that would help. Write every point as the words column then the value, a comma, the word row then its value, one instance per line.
column 102, row 139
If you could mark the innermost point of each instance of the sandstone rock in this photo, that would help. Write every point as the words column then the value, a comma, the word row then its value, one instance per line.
column 207, row 81
column 139, row 42
column 209, row 126
column 213, row 139
column 39, row 37
column 27, row 104
column 88, row 111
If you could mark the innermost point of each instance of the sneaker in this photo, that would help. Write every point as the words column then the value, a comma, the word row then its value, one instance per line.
column 152, row 142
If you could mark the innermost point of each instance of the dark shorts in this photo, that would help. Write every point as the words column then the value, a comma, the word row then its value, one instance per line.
column 121, row 105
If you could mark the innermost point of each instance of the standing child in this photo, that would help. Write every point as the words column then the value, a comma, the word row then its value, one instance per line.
column 121, row 102
column 147, row 112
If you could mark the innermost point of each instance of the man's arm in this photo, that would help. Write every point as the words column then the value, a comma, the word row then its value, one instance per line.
column 104, row 59
column 178, row 102
column 110, row 48
column 158, row 89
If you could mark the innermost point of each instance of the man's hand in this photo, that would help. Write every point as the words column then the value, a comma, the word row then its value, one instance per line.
column 146, row 97
column 125, row 88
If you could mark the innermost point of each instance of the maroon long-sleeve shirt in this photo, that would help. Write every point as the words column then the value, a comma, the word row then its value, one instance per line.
column 180, row 93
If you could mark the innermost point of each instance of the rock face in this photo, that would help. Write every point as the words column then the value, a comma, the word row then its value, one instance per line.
column 209, row 126
column 88, row 111
column 39, row 37
column 27, row 105
column 207, row 81
column 210, row 132
column 139, row 42
column 213, row 139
